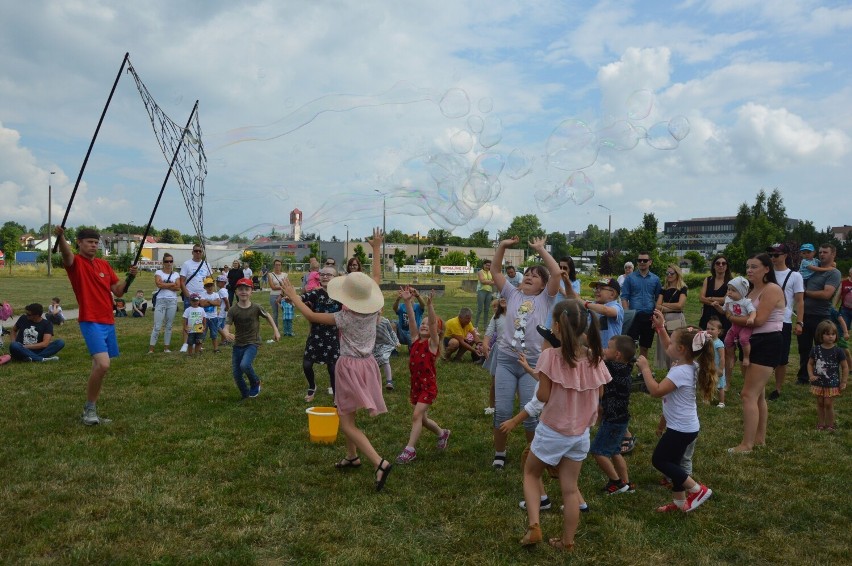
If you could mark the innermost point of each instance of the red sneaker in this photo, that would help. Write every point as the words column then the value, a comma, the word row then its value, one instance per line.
column 694, row 500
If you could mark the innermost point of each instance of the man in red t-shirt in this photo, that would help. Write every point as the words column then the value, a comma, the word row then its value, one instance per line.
column 94, row 283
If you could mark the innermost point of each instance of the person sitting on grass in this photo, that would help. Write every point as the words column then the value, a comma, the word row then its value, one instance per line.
column 424, row 381
column 34, row 337
column 120, row 307
column 54, row 312
column 615, row 416
column 245, row 316
column 140, row 306
column 460, row 337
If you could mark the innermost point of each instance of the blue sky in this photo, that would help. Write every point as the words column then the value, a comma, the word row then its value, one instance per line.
column 764, row 89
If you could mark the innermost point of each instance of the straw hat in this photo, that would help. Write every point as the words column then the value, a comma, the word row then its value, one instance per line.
column 358, row 292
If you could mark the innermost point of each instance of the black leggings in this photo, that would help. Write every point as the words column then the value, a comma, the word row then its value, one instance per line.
column 668, row 454
column 308, row 368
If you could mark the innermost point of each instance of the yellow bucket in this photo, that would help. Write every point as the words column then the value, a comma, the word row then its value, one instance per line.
column 322, row 424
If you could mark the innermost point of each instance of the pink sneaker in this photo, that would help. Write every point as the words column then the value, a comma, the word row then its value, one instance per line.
column 694, row 500
column 443, row 439
column 406, row 456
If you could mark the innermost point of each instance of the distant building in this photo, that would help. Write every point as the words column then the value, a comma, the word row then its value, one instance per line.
column 842, row 232
column 295, row 224
column 706, row 235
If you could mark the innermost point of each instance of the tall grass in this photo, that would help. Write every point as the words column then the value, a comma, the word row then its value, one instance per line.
column 188, row 474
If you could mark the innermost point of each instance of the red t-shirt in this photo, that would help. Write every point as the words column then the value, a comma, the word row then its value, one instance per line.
column 845, row 289
column 92, row 280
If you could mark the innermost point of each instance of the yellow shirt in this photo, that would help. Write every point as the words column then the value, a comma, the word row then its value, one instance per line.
column 488, row 277
column 454, row 328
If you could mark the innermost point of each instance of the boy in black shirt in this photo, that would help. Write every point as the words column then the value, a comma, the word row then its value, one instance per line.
column 606, row 447
column 34, row 337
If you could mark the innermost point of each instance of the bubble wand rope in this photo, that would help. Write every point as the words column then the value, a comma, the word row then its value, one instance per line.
column 129, row 281
column 91, row 145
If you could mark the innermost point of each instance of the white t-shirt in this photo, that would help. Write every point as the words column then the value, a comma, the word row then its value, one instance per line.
column 794, row 285
column 167, row 278
column 247, row 272
column 679, row 406
column 195, row 319
column 196, row 285
column 277, row 278
column 223, row 297
column 211, row 311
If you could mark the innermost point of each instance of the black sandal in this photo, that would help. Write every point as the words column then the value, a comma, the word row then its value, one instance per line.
column 385, row 471
column 628, row 443
column 348, row 463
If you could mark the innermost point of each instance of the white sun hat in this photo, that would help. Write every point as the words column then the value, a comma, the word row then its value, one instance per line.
column 358, row 292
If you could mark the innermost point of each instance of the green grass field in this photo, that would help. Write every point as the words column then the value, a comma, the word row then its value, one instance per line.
column 186, row 474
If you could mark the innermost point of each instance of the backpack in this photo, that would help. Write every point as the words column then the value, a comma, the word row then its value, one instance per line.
column 5, row 311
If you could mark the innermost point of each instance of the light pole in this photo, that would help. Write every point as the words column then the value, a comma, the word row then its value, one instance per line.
column 609, row 229
column 384, row 225
column 346, row 258
column 49, row 228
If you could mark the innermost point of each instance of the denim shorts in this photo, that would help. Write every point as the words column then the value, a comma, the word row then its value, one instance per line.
column 550, row 446
column 213, row 327
column 607, row 441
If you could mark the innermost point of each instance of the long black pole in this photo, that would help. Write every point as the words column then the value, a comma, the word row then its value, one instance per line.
column 130, row 278
column 91, row 145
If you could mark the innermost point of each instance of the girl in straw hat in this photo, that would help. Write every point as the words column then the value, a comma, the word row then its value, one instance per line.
column 358, row 383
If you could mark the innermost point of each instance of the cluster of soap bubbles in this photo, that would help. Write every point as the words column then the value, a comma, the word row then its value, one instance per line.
column 574, row 146
column 457, row 183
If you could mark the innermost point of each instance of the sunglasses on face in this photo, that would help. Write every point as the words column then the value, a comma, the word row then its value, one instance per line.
column 168, row 261
column 670, row 273
column 643, row 260
column 775, row 255
column 723, row 262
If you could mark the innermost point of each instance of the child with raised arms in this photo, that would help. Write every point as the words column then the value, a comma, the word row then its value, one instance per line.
column 424, row 382
column 245, row 316
column 358, row 383
column 570, row 380
column 828, row 369
column 693, row 370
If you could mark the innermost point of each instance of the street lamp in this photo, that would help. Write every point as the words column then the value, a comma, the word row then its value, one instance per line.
column 384, row 223
column 346, row 258
column 49, row 228
column 609, row 229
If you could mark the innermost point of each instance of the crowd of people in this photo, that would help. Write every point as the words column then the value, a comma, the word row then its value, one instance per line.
column 569, row 361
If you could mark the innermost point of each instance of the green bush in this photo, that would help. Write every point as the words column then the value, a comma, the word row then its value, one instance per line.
column 694, row 280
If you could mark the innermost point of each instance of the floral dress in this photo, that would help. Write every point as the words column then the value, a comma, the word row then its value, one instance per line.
column 827, row 370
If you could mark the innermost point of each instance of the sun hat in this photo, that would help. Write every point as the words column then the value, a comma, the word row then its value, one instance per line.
column 208, row 281
column 245, row 282
column 807, row 248
column 357, row 291
column 607, row 283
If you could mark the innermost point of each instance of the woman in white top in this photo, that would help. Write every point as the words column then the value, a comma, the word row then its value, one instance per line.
column 167, row 282
column 274, row 278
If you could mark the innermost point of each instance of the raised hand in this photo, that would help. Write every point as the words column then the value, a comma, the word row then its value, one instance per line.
column 509, row 241
column 405, row 293
column 538, row 243
column 377, row 238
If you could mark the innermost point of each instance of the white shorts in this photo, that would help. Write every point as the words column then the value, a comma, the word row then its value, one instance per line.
column 550, row 446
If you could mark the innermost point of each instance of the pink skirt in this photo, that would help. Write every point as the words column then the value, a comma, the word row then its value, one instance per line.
column 358, row 385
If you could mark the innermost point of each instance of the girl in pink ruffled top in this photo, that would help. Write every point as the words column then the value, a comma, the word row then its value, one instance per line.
column 570, row 380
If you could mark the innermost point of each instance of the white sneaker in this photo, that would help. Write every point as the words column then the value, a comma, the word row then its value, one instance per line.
column 184, row 348
column 489, row 410
column 90, row 418
column 545, row 504
column 51, row 359
column 721, row 405
column 330, row 391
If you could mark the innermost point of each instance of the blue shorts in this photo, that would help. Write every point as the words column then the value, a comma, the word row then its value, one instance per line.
column 100, row 338
column 607, row 441
column 194, row 338
column 214, row 326
column 722, row 382
column 550, row 446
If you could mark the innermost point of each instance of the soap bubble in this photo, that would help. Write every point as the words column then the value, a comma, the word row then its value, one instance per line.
column 486, row 104
column 518, row 164
column 571, row 146
column 455, row 103
column 462, row 141
column 639, row 104
column 492, row 132
column 475, row 123
column 659, row 137
column 679, row 127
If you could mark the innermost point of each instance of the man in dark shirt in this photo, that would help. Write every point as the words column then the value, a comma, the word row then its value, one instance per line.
column 34, row 337
column 819, row 290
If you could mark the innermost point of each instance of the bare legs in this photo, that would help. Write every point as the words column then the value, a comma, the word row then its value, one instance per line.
column 755, row 412
column 100, row 366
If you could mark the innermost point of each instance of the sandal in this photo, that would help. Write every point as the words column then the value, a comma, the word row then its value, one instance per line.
column 348, row 463
column 532, row 536
column 628, row 443
column 385, row 471
column 557, row 543
column 310, row 396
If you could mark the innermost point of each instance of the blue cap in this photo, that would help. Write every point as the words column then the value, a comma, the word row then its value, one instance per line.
column 807, row 248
